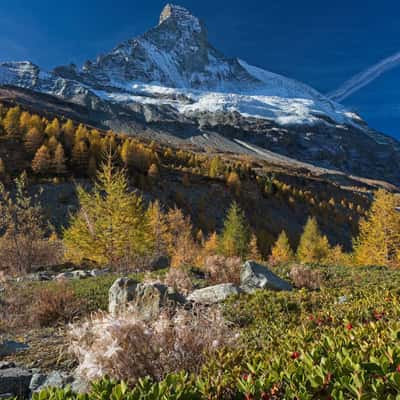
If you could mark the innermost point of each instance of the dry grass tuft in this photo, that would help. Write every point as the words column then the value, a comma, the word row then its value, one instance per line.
column 128, row 348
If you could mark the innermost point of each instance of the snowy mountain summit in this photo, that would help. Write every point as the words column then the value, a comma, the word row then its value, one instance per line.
column 171, row 81
column 174, row 60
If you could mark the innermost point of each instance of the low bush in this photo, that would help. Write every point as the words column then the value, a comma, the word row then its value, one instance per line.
column 129, row 348
column 58, row 304
column 306, row 277
column 221, row 269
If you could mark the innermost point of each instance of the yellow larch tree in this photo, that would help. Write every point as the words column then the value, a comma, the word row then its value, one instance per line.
column 378, row 242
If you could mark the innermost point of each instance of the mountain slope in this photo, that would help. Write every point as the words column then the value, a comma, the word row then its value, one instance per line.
column 173, row 82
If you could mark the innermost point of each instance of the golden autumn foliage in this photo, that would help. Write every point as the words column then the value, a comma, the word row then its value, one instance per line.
column 2, row 168
column 59, row 160
column 111, row 226
column 41, row 163
column 254, row 253
column 211, row 244
column 158, row 228
column 153, row 171
column 33, row 140
column 11, row 121
column 378, row 242
column 282, row 252
column 180, row 243
column 313, row 246
column 233, row 182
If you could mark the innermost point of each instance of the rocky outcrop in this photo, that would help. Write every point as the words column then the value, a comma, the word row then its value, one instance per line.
column 254, row 276
column 145, row 299
column 214, row 294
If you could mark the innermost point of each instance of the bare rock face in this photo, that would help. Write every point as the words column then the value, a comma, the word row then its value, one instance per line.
column 254, row 276
column 214, row 294
column 145, row 299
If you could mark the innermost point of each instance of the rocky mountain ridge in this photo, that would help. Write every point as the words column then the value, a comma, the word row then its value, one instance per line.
column 170, row 83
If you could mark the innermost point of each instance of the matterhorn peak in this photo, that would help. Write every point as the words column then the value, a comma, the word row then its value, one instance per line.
column 180, row 15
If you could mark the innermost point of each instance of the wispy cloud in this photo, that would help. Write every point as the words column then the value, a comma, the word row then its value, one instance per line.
column 362, row 79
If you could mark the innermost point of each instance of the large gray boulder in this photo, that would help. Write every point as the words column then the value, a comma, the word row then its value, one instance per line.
column 213, row 294
column 120, row 294
column 254, row 276
column 145, row 299
column 14, row 381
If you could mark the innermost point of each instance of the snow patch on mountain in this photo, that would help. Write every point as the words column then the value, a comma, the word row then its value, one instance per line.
column 297, row 106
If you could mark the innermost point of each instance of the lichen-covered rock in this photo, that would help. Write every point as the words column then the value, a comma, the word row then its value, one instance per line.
column 120, row 294
column 55, row 379
column 213, row 294
column 254, row 276
column 145, row 299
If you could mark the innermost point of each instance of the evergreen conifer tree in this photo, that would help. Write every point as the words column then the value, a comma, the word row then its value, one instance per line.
column 235, row 237
column 111, row 227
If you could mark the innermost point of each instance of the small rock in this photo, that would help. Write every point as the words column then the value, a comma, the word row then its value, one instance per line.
column 37, row 381
column 99, row 272
column 55, row 379
column 64, row 276
column 78, row 274
column 254, row 276
column 214, row 294
column 342, row 300
column 15, row 381
column 6, row 364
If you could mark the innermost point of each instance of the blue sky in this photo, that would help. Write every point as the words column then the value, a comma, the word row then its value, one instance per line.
column 320, row 43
